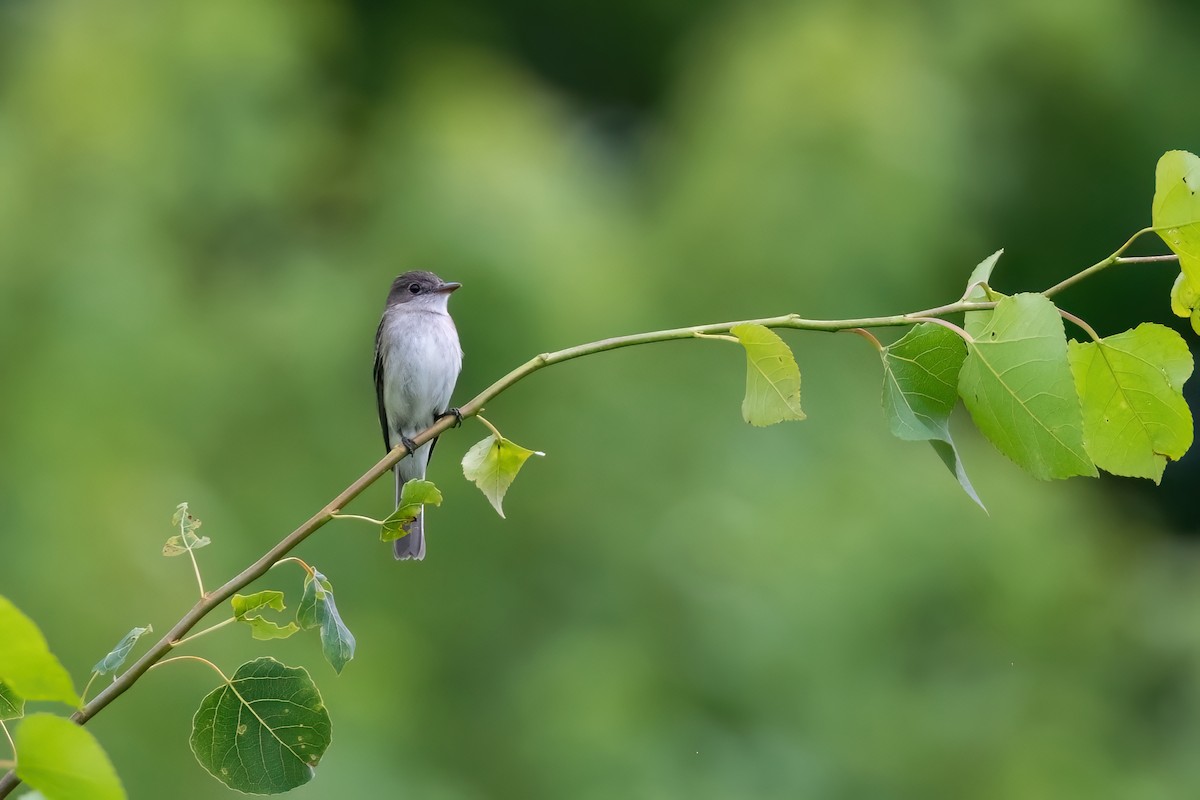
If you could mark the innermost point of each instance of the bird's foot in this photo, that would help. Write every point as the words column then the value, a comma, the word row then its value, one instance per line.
column 458, row 417
column 409, row 444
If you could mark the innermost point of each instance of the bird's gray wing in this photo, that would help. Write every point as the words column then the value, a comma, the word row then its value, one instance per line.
column 383, row 420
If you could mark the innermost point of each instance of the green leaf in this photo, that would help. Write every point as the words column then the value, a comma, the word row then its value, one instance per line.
column 978, row 288
column 12, row 705
column 1176, row 210
column 492, row 464
column 1018, row 387
column 26, row 663
column 980, row 291
column 245, row 606
column 318, row 609
column 64, row 761
column 772, row 377
column 116, row 657
column 920, row 389
column 264, row 731
column 413, row 497
column 1134, row 414
column 1185, row 300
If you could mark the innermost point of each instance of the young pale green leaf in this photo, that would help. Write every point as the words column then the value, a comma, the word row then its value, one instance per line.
column 1131, row 387
column 116, row 657
column 26, row 663
column 980, row 291
column 63, row 761
column 264, row 731
column 1175, row 212
column 1017, row 384
column 12, row 705
column 318, row 609
column 493, row 464
column 772, row 377
column 245, row 608
column 1185, row 300
column 413, row 497
column 920, row 388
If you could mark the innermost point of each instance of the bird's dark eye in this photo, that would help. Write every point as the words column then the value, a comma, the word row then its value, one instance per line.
column 415, row 288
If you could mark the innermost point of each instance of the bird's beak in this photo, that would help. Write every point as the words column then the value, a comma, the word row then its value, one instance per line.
column 448, row 287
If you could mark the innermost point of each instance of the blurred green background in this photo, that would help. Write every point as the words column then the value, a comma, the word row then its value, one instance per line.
column 202, row 206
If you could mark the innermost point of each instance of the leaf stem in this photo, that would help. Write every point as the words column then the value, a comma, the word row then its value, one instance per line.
column 1098, row 266
column 1145, row 259
column 966, row 337
column 371, row 520
column 303, row 564
column 733, row 339
column 191, row 554
column 490, row 426
column 190, row 658
column 1088, row 329
column 83, row 696
column 12, row 745
column 870, row 337
column 205, row 631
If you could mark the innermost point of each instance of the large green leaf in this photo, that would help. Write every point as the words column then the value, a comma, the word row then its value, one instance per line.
column 772, row 377
column 246, row 609
column 12, row 705
column 920, row 389
column 26, row 663
column 1134, row 414
column 1017, row 384
column 116, row 657
column 1175, row 212
column 492, row 464
column 264, row 731
column 413, row 497
column 63, row 761
column 317, row 609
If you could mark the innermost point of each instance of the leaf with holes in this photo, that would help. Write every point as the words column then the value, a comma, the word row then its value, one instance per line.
column 413, row 497
column 187, row 539
column 264, row 731
column 116, row 657
column 920, row 389
column 493, row 464
column 1175, row 212
column 1017, row 384
column 246, row 608
column 1131, row 387
column 26, row 663
column 772, row 377
column 317, row 609
column 64, row 761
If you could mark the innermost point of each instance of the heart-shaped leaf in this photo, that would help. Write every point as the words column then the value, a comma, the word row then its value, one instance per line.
column 264, row 731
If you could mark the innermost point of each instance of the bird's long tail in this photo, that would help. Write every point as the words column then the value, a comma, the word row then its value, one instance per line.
column 411, row 546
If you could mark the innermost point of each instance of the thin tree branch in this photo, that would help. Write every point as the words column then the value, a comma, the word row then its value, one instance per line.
column 212, row 599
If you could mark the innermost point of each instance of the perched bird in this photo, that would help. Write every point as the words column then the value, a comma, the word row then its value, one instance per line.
column 417, row 361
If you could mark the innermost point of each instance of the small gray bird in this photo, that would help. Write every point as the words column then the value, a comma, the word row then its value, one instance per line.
column 417, row 361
